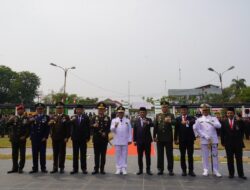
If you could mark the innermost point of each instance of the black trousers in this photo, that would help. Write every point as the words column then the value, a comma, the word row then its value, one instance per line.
column 141, row 148
column 168, row 146
column 18, row 147
column 237, row 153
column 39, row 149
column 187, row 147
column 100, row 149
column 79, row 146
column 59, row 153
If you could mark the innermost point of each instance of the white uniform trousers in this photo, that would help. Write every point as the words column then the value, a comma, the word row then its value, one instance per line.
column 121, row 155
column 205, row 150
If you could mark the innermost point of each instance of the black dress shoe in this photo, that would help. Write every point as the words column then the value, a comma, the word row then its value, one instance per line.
column 171, row 173
column 184, row 174
column 33, row 171
column 230, row 176
column 44, row 171
column 12, row 171
column 139, row 172
column 84, row 172
column 95, row 172
column 20, row 171
column 160, row 173
column 103, row 172
column 61, row 171
column 73, row 172
column 54, row 171
column 149, row 172
column 243, row 177
column 192, row 174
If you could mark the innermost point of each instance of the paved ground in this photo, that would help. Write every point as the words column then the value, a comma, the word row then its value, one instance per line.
column 112, row 182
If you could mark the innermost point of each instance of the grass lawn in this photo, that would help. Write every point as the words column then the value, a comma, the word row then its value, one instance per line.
column 5, row 143
column 69, row 157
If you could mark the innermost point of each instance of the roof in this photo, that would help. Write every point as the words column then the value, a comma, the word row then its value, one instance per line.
column 207, row 86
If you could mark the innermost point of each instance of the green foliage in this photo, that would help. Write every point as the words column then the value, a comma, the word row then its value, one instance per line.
column 17, row 87
column 245, row 95
column 69, row 99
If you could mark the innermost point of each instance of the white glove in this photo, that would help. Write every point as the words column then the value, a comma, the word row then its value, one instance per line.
column 206, row 137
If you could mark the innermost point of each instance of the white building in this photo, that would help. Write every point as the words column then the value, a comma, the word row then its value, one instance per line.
column 198, row 92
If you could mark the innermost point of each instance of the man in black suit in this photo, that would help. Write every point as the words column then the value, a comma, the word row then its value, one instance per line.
column 185, row 137
column 80, row 135
column 232, row 132
column 143, row 139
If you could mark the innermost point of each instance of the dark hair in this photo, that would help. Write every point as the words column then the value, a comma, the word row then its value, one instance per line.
column 239, row 114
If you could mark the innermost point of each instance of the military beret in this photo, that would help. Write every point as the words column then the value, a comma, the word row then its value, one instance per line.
column 20, row 107
column 120, row 109
column 101, row 105
column 79, row 106
column 164, row 103
column 231, row 109
column 143, row 109
column 205, row 106
column 39, row 105
column 184, row 106
column 59, row 104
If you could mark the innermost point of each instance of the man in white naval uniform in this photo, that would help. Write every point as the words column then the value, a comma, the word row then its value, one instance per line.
column 122, row 130
column 205, row 127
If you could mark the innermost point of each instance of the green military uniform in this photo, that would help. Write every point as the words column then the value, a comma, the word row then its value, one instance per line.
column 163, row 133
column 100, row 138
column 60, row 131
column 19, row 132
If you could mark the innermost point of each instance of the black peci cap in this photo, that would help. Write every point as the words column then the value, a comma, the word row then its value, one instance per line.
column 142, row 109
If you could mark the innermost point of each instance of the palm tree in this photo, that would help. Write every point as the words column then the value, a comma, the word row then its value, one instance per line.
column 238, row 84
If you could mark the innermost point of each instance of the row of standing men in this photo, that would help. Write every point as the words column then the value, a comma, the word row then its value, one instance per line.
column 79, row 127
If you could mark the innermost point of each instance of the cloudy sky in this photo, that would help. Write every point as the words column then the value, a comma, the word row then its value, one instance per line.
column 111, row 42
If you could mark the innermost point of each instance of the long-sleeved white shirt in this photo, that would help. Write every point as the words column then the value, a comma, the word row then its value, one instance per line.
column 205, row 127
column 123, row 132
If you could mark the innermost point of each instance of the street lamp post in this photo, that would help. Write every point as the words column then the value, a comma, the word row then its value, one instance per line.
column 65, row 77
column 220, row 77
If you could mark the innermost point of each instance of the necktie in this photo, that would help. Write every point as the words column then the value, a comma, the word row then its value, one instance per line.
column 184, row 118
column 231, row 123
column 79, row 120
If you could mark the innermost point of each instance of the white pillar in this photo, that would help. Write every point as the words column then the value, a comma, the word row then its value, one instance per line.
column 47, row 110
column 243, row 111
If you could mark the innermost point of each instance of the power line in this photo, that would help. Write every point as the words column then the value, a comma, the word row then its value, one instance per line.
column 96, row 85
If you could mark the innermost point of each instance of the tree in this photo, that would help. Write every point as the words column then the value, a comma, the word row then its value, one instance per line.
column 6, row 78
column 70, row 99
column 238, row 84
column 19, row 87
column 245, row 96
column 150, row 100
column 25, row 87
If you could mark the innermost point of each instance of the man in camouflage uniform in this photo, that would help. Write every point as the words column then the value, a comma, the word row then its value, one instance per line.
column 60, row 133
column 19, row 132
column 39, row 132
column 101, row 128
column 163, row 135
